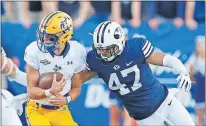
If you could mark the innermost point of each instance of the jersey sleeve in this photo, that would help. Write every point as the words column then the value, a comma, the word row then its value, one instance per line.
column 89, row 61
column 82, row 60
column 30, row 57
column 144, row 46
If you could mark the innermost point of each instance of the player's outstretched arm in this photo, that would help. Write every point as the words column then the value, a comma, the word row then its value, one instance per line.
column 76, row 86
column 162, row 59
column 156, row 58
column 87, row 75
column 77, row 80
column 33, row 77
column 9, row 69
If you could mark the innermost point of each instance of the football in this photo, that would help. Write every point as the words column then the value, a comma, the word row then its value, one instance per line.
column 45, row 81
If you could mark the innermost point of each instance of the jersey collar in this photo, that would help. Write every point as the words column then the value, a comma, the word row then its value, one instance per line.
column 64, row 53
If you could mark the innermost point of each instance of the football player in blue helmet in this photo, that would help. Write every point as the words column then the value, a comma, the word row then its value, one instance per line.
column 124, row 66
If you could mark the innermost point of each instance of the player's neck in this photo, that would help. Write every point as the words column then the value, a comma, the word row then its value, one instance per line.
column 59, row 51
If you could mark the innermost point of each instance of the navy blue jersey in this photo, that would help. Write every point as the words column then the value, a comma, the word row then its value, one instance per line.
column 131, row 78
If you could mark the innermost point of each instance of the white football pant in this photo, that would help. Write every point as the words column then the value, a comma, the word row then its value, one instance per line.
column 171, row 112
column 9, row 115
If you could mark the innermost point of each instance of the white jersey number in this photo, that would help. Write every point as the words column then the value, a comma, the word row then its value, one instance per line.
column 114, row 83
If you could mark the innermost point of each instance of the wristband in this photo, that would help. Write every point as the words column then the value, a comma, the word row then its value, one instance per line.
column 68, row 99
column 47, row 93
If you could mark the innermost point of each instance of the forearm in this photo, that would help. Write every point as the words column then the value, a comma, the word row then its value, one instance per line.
column 48, row 6
column 25, row 13
column 189, row 10
column 74, row 93
column 77, row 81
column 88, row 76
column 184, row 77
column 84, row 10
column 13, row 73
column 116, row 9
column 8, row 10
column 136, row 10
column 36, row 93
column 174, row 63
column 19, row 77
column 7, row 67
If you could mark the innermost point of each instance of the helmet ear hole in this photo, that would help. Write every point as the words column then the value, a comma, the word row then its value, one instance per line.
column 116, row 36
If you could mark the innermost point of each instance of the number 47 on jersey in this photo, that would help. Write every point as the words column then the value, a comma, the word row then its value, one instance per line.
column 114, row 83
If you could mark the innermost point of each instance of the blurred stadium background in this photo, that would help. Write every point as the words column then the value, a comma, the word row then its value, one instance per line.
column 172, row 27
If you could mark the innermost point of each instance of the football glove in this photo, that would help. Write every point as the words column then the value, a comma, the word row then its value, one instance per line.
column 184, row 81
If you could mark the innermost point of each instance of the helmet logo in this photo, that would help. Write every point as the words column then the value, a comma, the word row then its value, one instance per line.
column 64, row 26
column 118, row 33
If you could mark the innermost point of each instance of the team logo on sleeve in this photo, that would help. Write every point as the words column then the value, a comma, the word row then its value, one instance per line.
column 45, row 62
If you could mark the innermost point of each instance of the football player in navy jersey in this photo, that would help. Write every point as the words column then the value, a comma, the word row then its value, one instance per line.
column 123, row 65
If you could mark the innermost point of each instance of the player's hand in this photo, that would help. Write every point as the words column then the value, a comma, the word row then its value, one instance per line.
column 58, row 100
column 178, row 22
column 26, row 22
column 153, row 23
column 191, row 24
column 57, row 86
column 78, row 22
column 119, row 20
column 184, row 81
column 135, row 23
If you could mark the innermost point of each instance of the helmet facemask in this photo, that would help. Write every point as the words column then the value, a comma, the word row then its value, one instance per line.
column 48, row 42
column 108, row 53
